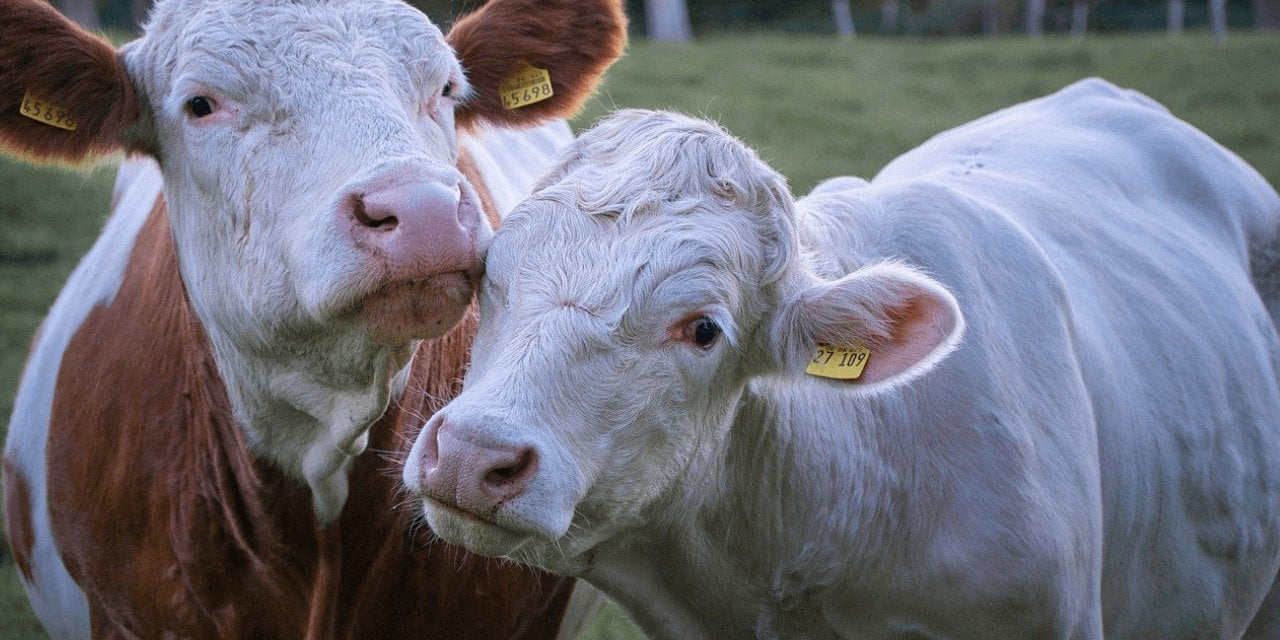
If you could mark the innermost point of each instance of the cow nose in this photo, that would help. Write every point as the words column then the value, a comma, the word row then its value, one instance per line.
column 375, row 214
column 472, row 471
column 415, row 228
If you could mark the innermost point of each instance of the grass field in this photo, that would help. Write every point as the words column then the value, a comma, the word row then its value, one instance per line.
column 814, row 107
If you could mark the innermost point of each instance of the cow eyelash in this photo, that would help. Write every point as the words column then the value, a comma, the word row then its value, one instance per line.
column 201, row 106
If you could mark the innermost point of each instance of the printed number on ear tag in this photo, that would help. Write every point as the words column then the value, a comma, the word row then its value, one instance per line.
column 529, row 85
column 41, row 111
column 839, row 363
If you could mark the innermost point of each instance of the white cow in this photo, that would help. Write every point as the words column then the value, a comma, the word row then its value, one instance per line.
column 1067, row 420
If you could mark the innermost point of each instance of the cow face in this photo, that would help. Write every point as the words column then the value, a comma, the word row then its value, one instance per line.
column 625, row 307
column 309, row 158
column 309, row 154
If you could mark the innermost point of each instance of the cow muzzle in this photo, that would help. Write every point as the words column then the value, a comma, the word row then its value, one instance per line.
column 474, row 474
column 486, row 494
column 421, row 237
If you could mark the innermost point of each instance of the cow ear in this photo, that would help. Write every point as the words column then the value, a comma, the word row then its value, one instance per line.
column 881, row 325
column 573, row 41
column 64, row 92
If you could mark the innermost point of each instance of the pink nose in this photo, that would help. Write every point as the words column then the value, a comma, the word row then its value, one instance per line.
column 414, row 226
column 473, row 473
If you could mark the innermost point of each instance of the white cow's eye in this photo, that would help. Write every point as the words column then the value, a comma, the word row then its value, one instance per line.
column 703, row 332
column 447, row 90
column 201, row 106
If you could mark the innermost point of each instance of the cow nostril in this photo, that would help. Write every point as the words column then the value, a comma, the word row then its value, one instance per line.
column 513, row 473
column 373, row 219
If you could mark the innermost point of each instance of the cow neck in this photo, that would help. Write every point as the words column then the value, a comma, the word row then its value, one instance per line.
column 307, row 407
column 719, row 553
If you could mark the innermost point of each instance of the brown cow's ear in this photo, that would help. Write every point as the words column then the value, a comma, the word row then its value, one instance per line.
column 574, row 41
column 64, row 92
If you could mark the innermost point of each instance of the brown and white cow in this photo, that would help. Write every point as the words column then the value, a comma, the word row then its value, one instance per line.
column 201, row 446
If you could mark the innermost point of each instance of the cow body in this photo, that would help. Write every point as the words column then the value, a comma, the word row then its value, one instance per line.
column 1095, row 457
column 205, row 438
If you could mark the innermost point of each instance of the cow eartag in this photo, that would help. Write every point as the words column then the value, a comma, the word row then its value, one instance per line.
column 530, row 84
column 839, row 363
column 41, row 111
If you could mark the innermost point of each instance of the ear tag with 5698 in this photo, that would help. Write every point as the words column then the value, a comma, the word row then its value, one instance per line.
column 529, row 85
column 43, row 112
column 840, row 363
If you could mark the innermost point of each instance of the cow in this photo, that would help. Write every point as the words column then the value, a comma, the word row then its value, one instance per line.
column 207, row 436
column 1022, row 384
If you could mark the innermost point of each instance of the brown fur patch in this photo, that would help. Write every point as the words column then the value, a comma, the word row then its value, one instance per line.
column 17, row 518
column 575, row 40
column 43, row 52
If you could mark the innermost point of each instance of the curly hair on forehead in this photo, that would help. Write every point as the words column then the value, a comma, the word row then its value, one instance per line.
column 638, row 163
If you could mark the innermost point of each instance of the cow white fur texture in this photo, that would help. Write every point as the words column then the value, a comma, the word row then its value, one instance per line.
column 1068, row 427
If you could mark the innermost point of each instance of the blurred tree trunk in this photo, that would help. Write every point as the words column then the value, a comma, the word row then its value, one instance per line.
column 84, row 12
column 990, row 18
column 844, row 18
column 139, row 10
column 889, row 16
column 1035, row 18
column 1079, row 17
column 1177, row 9
column 668, row 20
column 1266, row 14
column 1218, row 19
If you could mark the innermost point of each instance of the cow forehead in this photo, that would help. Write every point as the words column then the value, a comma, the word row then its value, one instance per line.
column 278, row 48
column 621, row 269
column 273, row 18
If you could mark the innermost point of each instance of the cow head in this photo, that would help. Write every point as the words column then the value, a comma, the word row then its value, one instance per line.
column 309, row 156
column 625, row 307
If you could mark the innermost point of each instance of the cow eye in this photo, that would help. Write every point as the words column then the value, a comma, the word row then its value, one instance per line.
column 201, row 106
column 704, row 332
column 447, row 90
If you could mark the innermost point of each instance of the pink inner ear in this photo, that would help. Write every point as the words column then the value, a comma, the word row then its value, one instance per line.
column 918, row 327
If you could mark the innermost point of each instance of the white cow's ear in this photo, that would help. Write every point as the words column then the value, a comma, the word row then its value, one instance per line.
column 572, row 41
column 880, row 325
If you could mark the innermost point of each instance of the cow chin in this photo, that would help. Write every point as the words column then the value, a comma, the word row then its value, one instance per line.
column 418, row 308
column 478, row 535
column 558, row 555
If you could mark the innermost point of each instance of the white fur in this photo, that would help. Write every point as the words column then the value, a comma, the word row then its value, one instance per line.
column 1097, row 455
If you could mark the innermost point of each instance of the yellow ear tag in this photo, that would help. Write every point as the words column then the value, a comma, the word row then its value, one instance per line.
column 838, row 362
column 529, row 85
column 41, row 111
